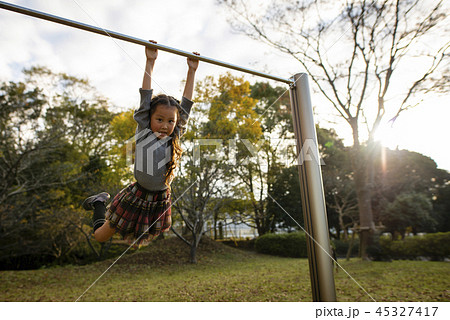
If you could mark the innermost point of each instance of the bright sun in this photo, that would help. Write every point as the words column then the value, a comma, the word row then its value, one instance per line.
column 388, row 136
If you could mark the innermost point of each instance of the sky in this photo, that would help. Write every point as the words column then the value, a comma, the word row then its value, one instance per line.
column 115, row 67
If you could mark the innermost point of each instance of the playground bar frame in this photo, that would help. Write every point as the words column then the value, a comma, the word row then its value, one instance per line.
column 312, row 194
column 120, row 36
column 313, row 200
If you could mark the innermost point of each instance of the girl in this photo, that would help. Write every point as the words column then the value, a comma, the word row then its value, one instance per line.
column 142, row 211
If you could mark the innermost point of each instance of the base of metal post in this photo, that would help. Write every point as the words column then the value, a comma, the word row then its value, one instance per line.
column 313, row 199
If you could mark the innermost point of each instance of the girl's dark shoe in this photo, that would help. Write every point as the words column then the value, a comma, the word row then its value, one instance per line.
column 88, row 203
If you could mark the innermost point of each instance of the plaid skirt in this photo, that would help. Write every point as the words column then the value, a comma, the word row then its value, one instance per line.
column 139, row 214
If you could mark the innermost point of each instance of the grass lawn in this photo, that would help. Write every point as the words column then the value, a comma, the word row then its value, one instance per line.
column 160, row 272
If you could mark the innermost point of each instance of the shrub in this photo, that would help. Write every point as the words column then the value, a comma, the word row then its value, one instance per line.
column 437, row 244
column 341, row 247
column 285, row 245
column 434, row 245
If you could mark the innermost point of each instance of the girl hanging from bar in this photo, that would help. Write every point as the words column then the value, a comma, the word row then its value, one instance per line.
column 142, row 210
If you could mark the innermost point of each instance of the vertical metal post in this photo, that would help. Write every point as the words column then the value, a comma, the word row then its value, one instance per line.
column 313, row 200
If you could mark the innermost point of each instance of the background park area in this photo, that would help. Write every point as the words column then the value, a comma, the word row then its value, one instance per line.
column 162, row 272
column 238, row 229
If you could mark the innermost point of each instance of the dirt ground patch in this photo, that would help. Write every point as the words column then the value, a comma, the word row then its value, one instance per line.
column 173, row 251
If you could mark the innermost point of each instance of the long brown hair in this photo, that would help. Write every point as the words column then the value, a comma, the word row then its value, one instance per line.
column 166, row 100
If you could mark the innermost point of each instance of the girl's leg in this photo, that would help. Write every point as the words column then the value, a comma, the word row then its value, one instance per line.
column 102, row 231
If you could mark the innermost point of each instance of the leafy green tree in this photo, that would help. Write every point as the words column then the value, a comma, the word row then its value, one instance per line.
column 285, row 191
column 273, row 113
column 121, row 152
column 409, row 210
column 405, row 172
column 20, row 108
column 273, row 109
column 400, row 171
column 52, row 153
column 441, row 208
column 339, row 189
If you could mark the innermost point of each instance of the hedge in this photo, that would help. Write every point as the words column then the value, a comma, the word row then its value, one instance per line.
column 341, row 247
column 285, row 245
column 433, row 245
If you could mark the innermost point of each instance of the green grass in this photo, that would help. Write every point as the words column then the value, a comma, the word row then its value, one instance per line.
column 161, row 273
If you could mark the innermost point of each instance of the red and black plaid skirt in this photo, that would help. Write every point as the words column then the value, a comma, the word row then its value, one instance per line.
column 139, row 214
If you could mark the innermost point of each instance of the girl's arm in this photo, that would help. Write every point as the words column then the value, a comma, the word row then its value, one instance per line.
column 151, row 55
column 142, row 114
column 190, row 78
column 186, row 101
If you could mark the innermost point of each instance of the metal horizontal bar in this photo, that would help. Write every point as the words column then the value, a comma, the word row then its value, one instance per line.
column 120, row 36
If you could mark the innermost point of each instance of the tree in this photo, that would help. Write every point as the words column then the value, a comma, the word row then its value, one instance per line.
column 199, row 191
column 408, row 210
column 123, row 128
column 339, row 189
column 19, row 108
column 401, row 176
column 232, row 181
column 52, row 152
column 269, row 172
column 404, row 172
column 198, row 197
column 285, row 190
column 370, row 78
column 441, row 208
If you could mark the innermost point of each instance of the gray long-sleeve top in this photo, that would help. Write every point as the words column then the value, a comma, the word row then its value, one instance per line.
column 152, row 154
